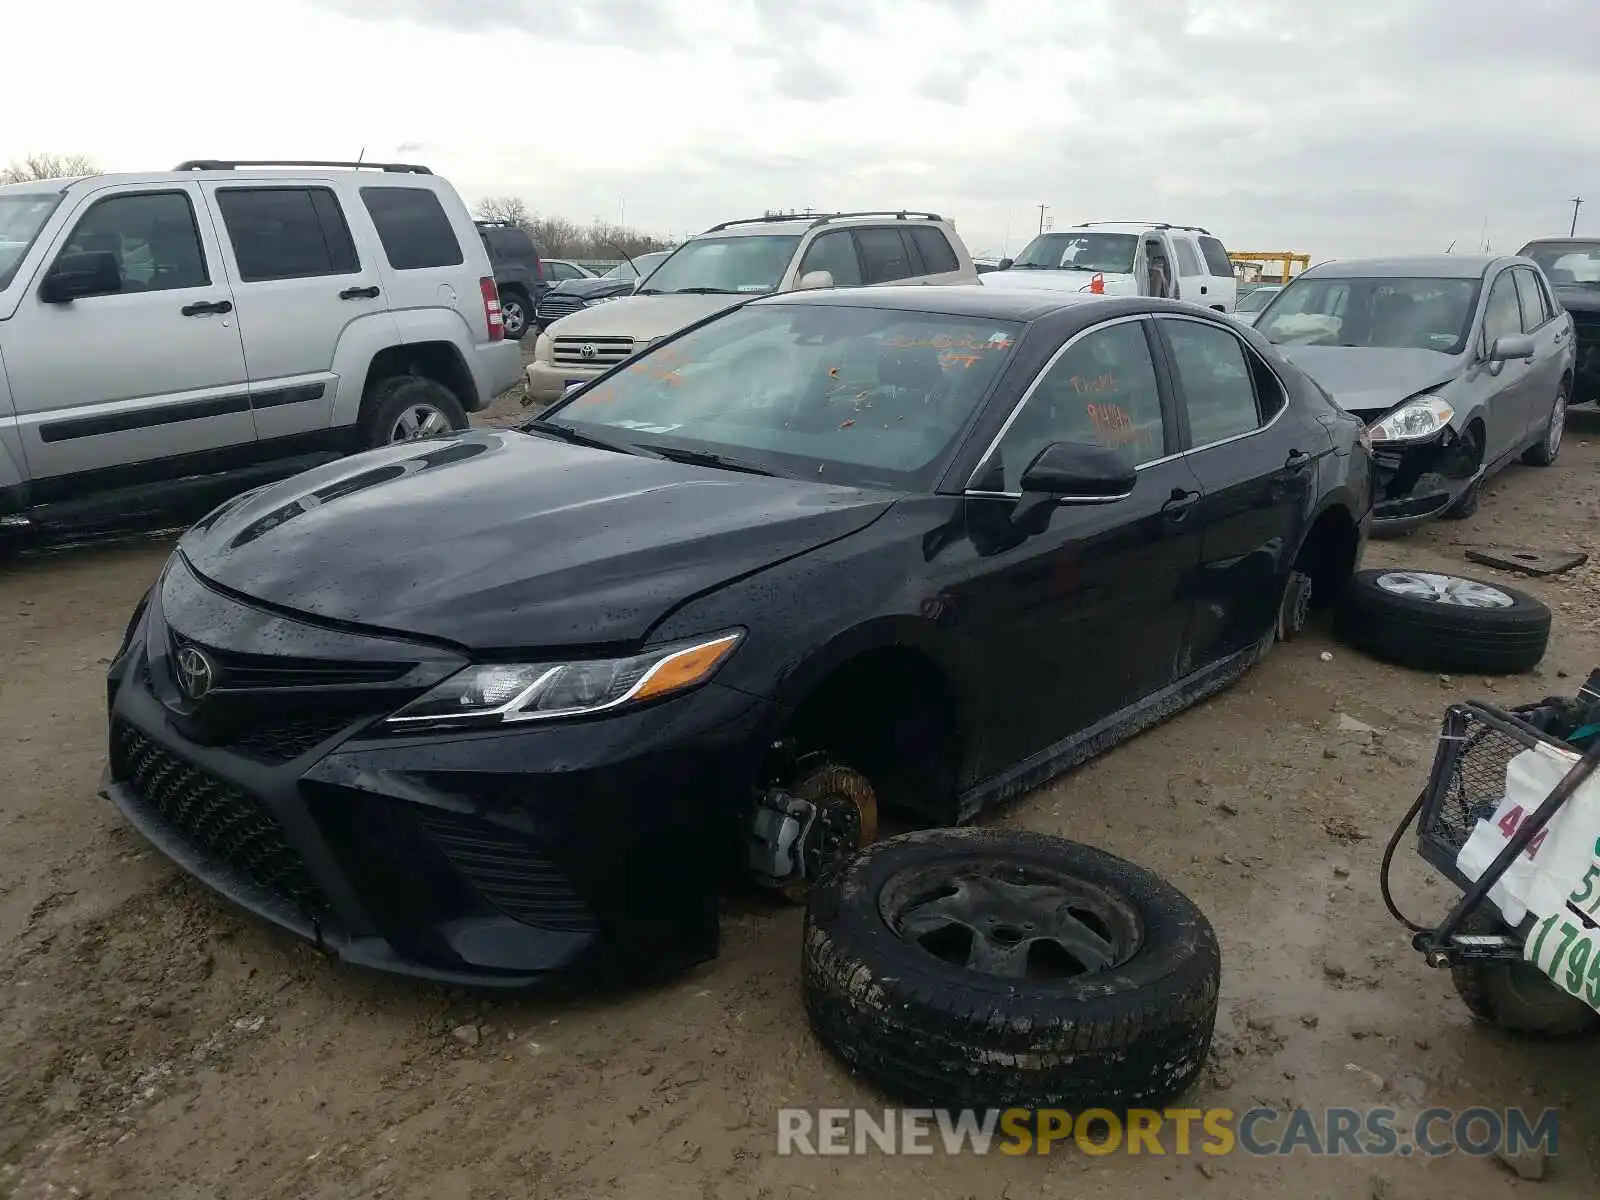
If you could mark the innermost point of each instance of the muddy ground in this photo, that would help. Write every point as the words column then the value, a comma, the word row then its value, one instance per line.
column 156, row 1043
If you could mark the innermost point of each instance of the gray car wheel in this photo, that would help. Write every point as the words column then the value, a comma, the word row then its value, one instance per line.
column 516, row 312
column 1549, row 446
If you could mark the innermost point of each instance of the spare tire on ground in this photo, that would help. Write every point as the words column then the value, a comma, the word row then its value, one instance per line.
column 989, row 968
column 1435, row 621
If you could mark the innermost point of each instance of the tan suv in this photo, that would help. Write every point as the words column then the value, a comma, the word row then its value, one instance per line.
column 736, row 261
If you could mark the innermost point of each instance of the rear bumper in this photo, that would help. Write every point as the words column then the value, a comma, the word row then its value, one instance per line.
column 491, row 858
column 497, row 367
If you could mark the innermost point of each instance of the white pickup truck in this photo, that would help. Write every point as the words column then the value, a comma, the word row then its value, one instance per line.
column 1125, row 258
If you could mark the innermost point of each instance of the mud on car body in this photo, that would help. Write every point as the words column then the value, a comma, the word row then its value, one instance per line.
column 511, row 702
column 1460, row 363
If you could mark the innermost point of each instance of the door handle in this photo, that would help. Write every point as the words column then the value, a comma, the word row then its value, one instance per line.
column 206, row 307
column 359, row 293
column 1296, row 461
column 1179, row 505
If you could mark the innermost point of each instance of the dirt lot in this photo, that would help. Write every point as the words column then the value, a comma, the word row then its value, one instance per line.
column 155, row 1043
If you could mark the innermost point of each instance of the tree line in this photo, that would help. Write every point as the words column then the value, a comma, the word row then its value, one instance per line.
column 47, row 166
column 557, row 237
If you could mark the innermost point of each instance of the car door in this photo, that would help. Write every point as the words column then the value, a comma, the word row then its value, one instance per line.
column 1087, row 616
column 1256, row 458
column 142, row 376
column 1550, row 335
column 1194, row 284
column 300, row 286
column 1509, row 385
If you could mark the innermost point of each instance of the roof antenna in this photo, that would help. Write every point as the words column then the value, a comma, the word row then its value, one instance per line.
column 361, row 156
column 1448, row 249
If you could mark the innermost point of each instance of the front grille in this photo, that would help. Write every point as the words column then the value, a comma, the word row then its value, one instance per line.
column 251, row 671
column 222, row 821
column 280, row 739
column 602, row 351
column 508, row 870
column 553, row 307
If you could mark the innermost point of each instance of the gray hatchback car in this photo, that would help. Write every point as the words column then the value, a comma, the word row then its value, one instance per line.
column 1459, row 363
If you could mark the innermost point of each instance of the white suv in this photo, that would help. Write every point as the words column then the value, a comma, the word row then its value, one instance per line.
column 1125, row 258
column 165, row 336
column 737, row 261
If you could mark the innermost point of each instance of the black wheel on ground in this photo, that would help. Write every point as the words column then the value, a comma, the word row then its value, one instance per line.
column 1437, row 622
column 1544, row 454
column 993, row 968
column 516, row 314
column 404, row 408
column 1516, row 996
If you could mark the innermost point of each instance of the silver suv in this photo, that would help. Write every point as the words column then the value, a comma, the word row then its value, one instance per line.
column 167, row 336
column 737, row 261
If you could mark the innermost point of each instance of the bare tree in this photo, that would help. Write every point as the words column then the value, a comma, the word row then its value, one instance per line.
column 48, row 166
column 511, row 209
column 563, row 238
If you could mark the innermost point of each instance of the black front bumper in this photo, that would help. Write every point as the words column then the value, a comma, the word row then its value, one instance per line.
column 499, row 857
column 1418, row 481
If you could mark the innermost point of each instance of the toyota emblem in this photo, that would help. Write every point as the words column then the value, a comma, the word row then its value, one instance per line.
column 587, row 350
column 195, row 672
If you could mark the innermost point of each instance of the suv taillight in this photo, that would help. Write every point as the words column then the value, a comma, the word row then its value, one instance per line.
column 491, row 308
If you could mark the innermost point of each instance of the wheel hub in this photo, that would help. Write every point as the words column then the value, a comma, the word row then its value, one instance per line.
column 1443, row 589
column 417, row 422
column 1012, row 921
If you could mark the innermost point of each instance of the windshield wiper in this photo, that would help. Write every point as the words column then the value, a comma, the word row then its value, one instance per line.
column 704, row 291
column 578, row 438
column 707, row 458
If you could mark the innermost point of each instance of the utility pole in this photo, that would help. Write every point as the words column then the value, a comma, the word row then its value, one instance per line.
column 1042, row 209
column 1577, row 203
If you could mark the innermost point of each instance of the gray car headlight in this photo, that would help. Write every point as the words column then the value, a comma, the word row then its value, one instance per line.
column 1419, row 418
column 505, row 693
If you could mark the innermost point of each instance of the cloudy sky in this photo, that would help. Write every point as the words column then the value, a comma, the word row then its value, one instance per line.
column 1336, row 127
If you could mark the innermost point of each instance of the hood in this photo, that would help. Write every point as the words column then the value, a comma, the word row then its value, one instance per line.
column 646, row 317
column 1369, row 381
column 497, row 539
column 1029, row 279
column 590, row 288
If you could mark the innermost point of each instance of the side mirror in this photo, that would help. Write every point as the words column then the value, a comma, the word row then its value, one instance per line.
column 75, row 276
column 1514, row 345
column 1005, row 264
column 813, row 280
column 1071, row 473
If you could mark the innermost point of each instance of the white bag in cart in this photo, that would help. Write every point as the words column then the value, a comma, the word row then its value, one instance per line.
column 1558, row 860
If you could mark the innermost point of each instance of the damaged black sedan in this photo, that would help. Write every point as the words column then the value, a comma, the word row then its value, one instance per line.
column 516, row 702
column 1460, row 363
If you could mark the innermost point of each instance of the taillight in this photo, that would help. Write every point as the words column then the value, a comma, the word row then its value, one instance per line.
column 491, row 308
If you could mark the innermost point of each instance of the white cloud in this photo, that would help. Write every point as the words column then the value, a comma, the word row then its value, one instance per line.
column 1366, row 126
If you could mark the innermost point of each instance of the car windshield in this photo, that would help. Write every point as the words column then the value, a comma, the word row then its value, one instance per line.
column 751, row 265
column 645, row 263
column 1257, row 299
column 859, row 396
column 1392, row 314
column 1111, row 252
column 1569, row 264
column 22, row 215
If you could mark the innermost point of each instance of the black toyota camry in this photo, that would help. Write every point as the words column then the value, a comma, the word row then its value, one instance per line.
column 514, row 702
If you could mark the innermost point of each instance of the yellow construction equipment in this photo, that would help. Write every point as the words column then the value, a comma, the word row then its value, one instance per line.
column 1261, row 258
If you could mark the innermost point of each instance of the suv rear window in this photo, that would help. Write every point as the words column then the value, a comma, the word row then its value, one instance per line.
column 413, row 227
column 287, row 233
column 1216, row 257
column 937, row 256
column 509, row 243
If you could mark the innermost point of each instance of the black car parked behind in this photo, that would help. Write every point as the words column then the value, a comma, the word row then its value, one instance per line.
column 518, row 270
column 512, row 702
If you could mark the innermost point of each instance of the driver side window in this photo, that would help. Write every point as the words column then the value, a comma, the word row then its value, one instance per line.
column 1503, row 317
column 1102, row 391
column 152, row 236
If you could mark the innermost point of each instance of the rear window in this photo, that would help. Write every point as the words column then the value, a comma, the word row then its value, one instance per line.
column 510, row 243
column 413, row 228
column 937, row 256
column 286, row 233
column 1216, row 257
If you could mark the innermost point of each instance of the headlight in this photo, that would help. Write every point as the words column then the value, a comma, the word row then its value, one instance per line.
column 1415, row 419
column 498, row 694
column 607, row 299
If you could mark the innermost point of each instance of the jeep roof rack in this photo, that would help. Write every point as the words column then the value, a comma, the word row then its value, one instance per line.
column 1148, row 225
column 899, row 214
column 769, row 218
column 222, row 164
column 494, row 223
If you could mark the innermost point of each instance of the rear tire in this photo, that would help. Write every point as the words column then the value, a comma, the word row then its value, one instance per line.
column 407, row 408
column 516, row 314
column 1485, row 628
